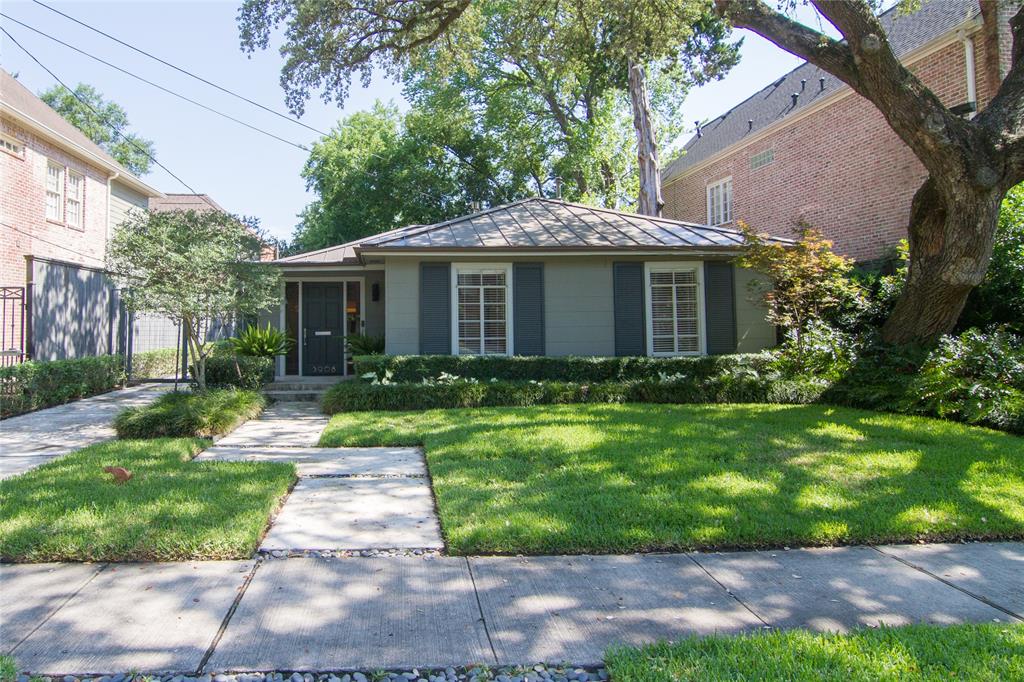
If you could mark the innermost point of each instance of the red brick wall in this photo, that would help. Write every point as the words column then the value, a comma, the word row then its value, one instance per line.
column 841, row 168
column 24, row 229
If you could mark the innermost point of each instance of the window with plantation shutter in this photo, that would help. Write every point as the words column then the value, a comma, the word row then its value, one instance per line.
column 675, row 309
column 482, row 322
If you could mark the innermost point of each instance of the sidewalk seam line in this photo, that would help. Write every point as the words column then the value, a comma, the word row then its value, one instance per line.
column 64, row 603
column 981, row 598
column 729, row 592
column 480, row 609
column 227, row 618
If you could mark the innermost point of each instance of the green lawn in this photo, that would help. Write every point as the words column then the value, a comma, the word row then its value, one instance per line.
column 172, row 508
column 918, row 652
column 623, row 478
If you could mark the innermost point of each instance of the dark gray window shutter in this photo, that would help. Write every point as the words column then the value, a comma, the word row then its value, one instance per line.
column 435, row 309
column 528, row 308
column 720, row 307
column 630, row 329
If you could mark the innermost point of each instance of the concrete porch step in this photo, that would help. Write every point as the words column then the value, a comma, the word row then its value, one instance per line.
column 294, row 395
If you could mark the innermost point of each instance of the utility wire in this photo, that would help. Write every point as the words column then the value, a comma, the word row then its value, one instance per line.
column 155, row 85
column 181, row 70
column 93, row 110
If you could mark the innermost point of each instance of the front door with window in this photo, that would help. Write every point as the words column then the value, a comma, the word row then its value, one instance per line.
column 323, row 329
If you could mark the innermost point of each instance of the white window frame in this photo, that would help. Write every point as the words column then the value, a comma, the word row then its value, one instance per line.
column 80, row 225
column 726, row 215
column 698, row 267
column 61, row 191
column 13, row 146
column 463, row 267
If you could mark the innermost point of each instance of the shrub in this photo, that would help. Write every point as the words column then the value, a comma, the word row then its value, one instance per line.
column 206, row 414
column 261, row 342
column 34, row 385
column 364, row 344
column 351, row 396
column 155, row 363
column 999, row 299
column 223, row 369
column 416, row 368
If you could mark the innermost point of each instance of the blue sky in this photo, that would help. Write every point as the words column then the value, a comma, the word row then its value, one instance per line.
column 244, row 171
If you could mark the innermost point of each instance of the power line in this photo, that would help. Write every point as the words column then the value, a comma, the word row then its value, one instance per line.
column 155, row 85
column 46, row 241
column 93, row 110
column 181, row 70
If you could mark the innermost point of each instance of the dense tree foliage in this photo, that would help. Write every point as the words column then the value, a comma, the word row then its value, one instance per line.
column 1000, row 298
column 99, row 119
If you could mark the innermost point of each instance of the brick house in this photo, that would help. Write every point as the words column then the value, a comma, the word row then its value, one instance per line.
column 60, row 197
column 806, row 147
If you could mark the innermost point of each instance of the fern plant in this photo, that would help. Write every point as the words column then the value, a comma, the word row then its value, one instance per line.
column 365, row 344
column 261, row 342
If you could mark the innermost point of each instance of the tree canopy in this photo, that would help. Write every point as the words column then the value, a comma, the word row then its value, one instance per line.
column 129, row 149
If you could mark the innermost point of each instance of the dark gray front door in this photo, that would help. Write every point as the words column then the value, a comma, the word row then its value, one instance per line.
column 323, row 331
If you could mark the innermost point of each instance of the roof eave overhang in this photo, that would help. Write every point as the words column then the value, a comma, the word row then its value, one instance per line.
column 553, row 252
column 55, row 137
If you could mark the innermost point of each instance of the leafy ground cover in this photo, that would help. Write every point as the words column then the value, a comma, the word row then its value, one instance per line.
column 919, row 652
column 623, row 478
column 171, row 509
column 205, row 414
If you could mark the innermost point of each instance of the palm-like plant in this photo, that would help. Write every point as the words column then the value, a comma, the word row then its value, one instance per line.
column 261, row 342
column 364, row 344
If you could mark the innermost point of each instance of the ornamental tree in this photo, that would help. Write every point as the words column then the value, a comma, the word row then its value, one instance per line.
column 194, row 267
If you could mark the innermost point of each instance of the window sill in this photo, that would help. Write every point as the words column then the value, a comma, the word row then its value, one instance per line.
column 51, row 221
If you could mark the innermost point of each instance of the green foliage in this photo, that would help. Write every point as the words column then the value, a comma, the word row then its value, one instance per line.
column 261, row 342
column 127, row 148
column 194, row 267
column 582, row 479
column 455, row 392
column 172, row 509
column 35, row 385
column 8, row 669
column 364, row 344
column 999, row 300
column 914, row 653
column 823, row 352
column 154, row 364
column 224, row 369
column 206, row 414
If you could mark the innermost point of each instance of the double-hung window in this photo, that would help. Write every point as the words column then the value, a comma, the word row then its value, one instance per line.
column 482, row 303
column 75, row 200
column 675, row 309
column 720, row 202
column 54, row 192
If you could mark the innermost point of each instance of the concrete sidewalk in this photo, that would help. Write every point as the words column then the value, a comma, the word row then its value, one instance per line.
column 28, row 440
column 400, row 612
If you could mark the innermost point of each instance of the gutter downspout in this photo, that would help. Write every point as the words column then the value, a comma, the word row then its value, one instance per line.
column 972, row 88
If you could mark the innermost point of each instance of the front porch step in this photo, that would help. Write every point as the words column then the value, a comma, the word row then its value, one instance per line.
column 294, row 395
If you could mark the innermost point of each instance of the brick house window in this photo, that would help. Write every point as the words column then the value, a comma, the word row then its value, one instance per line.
column 720, row 202
column 12, row 146
column 76, row 195
column 762, row 159
column 54, row 192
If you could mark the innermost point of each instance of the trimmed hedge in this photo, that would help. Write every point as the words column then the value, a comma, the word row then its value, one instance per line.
column 416, row 368
column 190, row 414
column 34, row 385
column 225, row 370
column 353, row 396
column 154, row 364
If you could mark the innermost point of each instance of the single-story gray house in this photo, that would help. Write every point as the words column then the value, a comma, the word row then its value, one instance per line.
column 534, row 277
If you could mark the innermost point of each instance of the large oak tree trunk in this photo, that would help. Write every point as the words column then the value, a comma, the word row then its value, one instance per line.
column 950, row 247
column 651, row 201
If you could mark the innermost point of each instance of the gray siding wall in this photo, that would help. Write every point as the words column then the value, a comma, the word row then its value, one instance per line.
column 753, row 333
column 123, row 200
column 578, row 301
column 374, row 314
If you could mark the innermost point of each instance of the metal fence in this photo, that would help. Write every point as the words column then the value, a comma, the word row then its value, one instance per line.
column 12, row 325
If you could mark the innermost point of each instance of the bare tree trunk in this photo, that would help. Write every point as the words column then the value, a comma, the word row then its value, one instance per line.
column 950, row 248
column 650, row 202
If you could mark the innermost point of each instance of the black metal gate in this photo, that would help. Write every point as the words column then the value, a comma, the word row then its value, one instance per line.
column 12, row 325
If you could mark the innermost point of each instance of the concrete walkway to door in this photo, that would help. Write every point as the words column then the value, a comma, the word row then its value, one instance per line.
column 28, row 440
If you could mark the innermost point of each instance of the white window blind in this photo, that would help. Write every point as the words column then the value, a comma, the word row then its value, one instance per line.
column 720, row 202
column 76, row 192
column 482, row 308
column 675, row 310
column 54, row 192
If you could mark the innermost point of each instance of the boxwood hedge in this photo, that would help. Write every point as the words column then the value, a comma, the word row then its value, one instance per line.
column 34, row 385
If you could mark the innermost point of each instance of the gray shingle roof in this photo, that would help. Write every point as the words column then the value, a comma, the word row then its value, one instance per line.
column 538, row 224
column 906, row 32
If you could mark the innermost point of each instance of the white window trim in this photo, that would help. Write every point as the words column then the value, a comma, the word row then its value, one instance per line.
column 702, row 337
column 62, row 190
column 454, row 298
column 20, row 154
column 68, row 173
column 707, row 200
